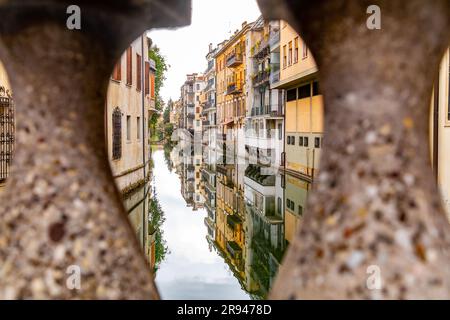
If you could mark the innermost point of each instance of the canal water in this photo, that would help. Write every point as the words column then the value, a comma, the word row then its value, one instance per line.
column 225, row 229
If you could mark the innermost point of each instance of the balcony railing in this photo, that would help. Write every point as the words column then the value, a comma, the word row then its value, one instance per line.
column 234, row 88
column 261, row 78
column 262, row 49
column 234, row 60
column 274, row 111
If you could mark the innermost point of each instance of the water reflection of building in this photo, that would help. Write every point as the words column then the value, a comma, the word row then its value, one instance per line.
column 7, row 125
column 296, row 192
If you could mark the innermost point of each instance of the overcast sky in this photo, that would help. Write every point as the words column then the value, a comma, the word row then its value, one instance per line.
column 185, row 48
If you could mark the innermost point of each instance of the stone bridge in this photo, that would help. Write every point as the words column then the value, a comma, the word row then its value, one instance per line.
column 375, row 202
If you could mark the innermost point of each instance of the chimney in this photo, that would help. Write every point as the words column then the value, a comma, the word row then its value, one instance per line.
column 210, row 47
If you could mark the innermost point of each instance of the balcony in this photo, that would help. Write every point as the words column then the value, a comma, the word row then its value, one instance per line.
column 234, row 88
column 274, row 77
column 206, row 122
column 209, row 106
column 261, row 49
column 234, row 250
column 274, row 40
column 261, row 78
column 210, row 66
column 267, row 110
column 234, row 60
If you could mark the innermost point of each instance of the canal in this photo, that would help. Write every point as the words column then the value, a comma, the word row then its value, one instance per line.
column 226, row 227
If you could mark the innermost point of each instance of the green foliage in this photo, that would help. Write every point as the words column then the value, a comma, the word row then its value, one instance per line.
column 168, row 130
column 156, row 221
column 160, row 74
column 166, row 114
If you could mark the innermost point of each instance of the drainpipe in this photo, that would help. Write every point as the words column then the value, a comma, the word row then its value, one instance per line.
column 436, row 128
column 144, row 230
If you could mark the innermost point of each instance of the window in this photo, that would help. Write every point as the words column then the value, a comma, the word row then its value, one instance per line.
column 304, row 91
column 198, row 87
column 116, row 134
column 128, row 128
column 289, row 140
column 305, row 141
column 117, row 73
column 138, row 72
column 290, row 53
column 284, row 56
column 279, row 205
column 293, row 140
column 448, row 102
column 300, row 210
column 300, row 141
column 280, row 131
column 291, row 95
column 316, row 142
column 292, row 205
column 305, row 51
column 316, row 88
column 138, row 128
column 296, row 50
column 129, row 66
column 288, row 203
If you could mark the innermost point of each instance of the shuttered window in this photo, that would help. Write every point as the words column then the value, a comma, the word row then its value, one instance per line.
column 138, row 72
column 129, row 66
column 117, row 73
column 147, row 78
column 117, row 134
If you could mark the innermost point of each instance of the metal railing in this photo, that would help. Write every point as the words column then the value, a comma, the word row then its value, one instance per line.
column 234, row 59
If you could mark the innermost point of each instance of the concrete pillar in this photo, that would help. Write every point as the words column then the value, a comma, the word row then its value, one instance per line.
column 375, row 205
column 60, row 207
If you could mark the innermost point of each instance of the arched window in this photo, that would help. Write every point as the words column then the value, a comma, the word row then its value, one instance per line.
column 6, row 133
column 117, row 134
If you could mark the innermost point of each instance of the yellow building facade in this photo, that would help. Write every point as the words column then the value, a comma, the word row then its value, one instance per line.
column 303, row 105
column 230, row 90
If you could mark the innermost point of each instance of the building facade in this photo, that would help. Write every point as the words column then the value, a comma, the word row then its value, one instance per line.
column 130, row 103
column 265, row 112
column 231, row 93
column 303, row 105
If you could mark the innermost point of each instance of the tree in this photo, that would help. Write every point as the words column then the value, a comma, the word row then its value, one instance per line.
column 160, row 75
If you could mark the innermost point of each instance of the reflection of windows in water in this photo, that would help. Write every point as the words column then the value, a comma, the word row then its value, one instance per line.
column 117, row 134
column 290, row 204
column 279, row 205
column 317, row 142
column 7, row 131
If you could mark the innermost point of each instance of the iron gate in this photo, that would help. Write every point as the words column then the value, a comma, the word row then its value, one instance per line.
column 6, row 135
